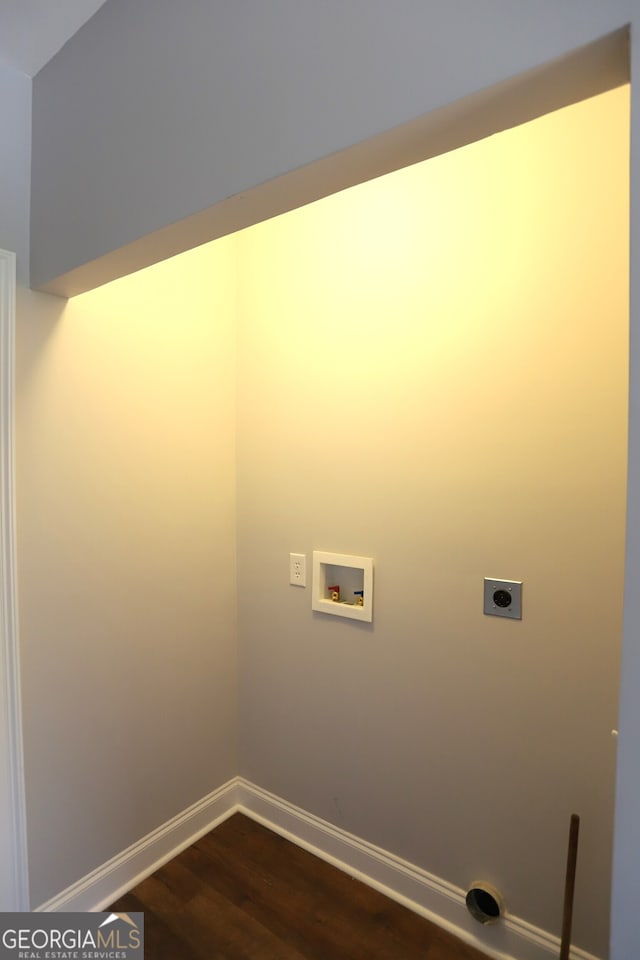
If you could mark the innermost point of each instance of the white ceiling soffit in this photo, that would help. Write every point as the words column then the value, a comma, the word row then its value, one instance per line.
column 32, row 31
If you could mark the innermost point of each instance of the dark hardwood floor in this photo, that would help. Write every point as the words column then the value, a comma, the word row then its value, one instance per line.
column 244, row 893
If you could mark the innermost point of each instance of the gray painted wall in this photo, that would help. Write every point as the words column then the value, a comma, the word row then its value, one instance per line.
column 625, row 936
column 126, row 558
column 385, row 335
column 180, row 107
column 15, row 166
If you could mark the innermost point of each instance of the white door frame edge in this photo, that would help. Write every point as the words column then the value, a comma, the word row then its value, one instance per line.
column 13, row 833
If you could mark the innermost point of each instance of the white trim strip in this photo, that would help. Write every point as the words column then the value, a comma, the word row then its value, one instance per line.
column 11, row 754
column 420, row 891
column 108, row 882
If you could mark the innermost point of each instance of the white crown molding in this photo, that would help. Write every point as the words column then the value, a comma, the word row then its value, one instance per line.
column 11, row 755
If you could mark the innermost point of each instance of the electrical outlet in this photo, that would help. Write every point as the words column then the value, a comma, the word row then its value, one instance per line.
column 298, row 569
column 503, row 598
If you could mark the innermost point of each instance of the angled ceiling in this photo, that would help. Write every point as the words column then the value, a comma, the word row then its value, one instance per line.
column 32, row 31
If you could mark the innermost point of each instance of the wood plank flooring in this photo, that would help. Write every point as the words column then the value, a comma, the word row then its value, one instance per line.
column 244, row 893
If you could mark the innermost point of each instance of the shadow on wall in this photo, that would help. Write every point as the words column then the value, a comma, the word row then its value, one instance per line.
column 37, row 318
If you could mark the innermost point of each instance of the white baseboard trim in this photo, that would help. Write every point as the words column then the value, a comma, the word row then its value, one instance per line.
column 431, row 897
column 425, row 894
column 106, row 883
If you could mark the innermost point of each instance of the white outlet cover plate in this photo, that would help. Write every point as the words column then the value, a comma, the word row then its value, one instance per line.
column 298, row 569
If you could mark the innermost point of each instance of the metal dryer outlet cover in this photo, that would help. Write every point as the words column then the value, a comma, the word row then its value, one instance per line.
column 503, row 598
